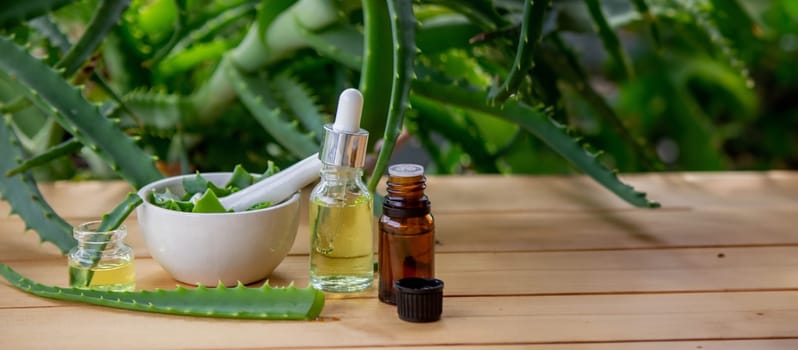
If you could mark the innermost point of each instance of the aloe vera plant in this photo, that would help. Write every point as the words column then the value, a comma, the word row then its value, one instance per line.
column 289, row 303
column 484, row 86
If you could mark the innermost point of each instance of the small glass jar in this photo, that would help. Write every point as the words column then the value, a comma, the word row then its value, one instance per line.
column 101, row 260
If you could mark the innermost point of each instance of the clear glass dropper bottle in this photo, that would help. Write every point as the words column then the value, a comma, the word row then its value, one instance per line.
column 341, row 221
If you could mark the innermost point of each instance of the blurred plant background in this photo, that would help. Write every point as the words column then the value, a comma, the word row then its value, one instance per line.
column 710, row 84
column 480, row 86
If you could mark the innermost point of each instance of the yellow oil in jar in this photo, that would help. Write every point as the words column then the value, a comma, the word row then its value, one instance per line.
column 117, row 276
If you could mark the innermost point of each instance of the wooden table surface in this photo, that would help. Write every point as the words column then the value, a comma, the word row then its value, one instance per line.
column 528, row 262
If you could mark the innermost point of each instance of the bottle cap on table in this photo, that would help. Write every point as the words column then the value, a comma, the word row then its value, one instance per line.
column 419, row 299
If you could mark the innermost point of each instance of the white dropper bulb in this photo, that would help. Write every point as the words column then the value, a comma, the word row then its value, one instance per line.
column 347, row 117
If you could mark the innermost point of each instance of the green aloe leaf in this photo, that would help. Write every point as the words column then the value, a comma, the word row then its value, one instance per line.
column 300, row 101
column 104, row 18
column 26, row 201
column 269, row 303
column 208, row 203
column 254, row 94
column 403, row 33
column 539, row 124
column 63, row 149
column 531, row 27
column 377, row 67
column 53, row 95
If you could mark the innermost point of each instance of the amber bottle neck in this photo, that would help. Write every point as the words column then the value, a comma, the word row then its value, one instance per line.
column 406, row 197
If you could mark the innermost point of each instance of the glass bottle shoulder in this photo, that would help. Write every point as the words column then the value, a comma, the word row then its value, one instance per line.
column 341, row 186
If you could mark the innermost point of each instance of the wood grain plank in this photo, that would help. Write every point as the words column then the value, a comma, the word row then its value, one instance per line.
column 522, row 231
column 758, row 344
column 488, row 321
column 521, row 273
column 481, row 193
column 772, row 189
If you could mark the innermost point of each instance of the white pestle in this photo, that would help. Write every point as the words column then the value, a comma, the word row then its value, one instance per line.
column 275, row 188
column 280, row 186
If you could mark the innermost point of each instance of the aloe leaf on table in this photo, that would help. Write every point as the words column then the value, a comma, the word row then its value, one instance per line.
column 289, row 303
column 50, row 93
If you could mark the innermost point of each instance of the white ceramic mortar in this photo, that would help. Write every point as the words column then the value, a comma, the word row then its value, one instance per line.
column 210, row 247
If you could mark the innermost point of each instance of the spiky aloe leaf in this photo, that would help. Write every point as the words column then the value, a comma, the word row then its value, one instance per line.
column 48, row 28
column 48, row 91
column 343, row 44
column 21, row 192
column 214, row 25
column 539, row 124
column 19, row 11
column 300, row 101
column 289, row 303
column 609, row 38
column 403, row 33
column 65, row 148
column 156, row 110
column 570, row 71
column 187, row 59
column 377, row 67
column 701, row 12
column 253, row 94
column 103, row 19
column 531, row 27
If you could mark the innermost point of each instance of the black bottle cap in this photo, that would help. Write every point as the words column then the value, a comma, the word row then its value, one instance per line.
column 419, row 299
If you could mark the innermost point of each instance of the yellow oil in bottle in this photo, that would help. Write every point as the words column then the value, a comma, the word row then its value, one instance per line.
column 118, row 276
column 341, row 255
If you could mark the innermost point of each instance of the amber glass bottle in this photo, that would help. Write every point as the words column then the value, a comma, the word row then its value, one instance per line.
column 407, row 230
